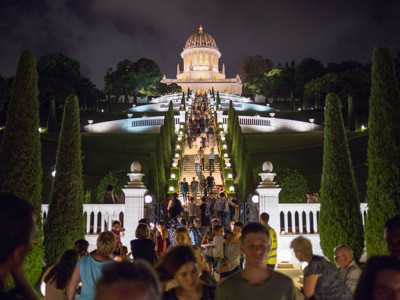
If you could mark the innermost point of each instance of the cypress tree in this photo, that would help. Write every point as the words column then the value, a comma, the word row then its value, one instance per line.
column 230, row 119
column 183, row 102
column 188, row 92
column 20, row 152
column 340, row 217
column 64, row 224
column 164, row 147
column 153, row 177
column 172, row 120
column 351, row 115
column 248, row 183
column 383, row 188
column 51, row 120
column 218, row 100
column 160, row 168
column 292, row 102
column 109, row 102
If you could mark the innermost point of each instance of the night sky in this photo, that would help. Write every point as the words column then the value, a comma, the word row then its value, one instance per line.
column 100, row 33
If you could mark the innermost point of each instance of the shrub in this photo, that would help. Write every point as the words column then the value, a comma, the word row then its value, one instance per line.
column 294, row 186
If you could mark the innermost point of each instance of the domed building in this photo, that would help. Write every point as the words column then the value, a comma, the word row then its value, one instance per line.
column 201, row 67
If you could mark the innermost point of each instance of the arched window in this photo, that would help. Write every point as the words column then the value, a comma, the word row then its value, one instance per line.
column 200, row 58
column 207, row 63
column 190, row 61
column 212, row 60
column 194, row 60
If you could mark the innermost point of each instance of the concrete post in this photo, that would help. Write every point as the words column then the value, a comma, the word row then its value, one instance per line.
column 182, row 116
column 134, row 202
column 220, row 113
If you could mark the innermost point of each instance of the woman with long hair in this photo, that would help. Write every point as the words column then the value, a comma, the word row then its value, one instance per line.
column 59, row 276
column 180, row 264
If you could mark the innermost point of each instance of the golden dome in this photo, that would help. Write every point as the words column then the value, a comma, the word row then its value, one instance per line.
column 201, row 39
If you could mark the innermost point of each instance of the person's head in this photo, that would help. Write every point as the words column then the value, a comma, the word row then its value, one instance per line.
column 210, row 174
column 214, row 223
column 17, row 227
column 180, row 264
column 255, row 244
column 184, row 180
column 380, row 279
column 392, row 236
column 308, row 195
column 81, row 246
column 212, row 195
column 194, row 179
column 161, row 224
column 182, row 237
column 145, row 221
column 110, row 188
column 264, row 218
column 343, row 256
column 231, row 225
column 218, row 230
column 175, row 196
column 203, row 199
column 128, row 280
column 61, row 273
column 106, row 243
column 196, row 223
column 116, row 225
column 142, row 231
column 302, row 248
column 191, row 199
column 222, row 195
column 237, row 228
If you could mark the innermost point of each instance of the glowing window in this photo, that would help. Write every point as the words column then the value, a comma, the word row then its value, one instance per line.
column 200, row 58
column 206, row 59
column 212, row 60
column 216, row 63
column 194, row 60
column 190, row 61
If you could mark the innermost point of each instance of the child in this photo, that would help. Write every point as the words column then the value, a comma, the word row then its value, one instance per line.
column 192, row 209
column 221, row 261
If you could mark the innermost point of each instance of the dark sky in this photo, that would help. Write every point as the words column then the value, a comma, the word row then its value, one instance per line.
column 100, row 33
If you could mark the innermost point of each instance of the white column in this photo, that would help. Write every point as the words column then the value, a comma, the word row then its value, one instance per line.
column 134, row 211
column 182, row 116
column 269, row 203
column 220, row 114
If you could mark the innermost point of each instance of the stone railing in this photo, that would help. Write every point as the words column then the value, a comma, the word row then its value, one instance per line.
column 302, row 218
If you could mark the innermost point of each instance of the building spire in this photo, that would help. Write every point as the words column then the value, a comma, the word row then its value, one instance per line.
column 201, row 29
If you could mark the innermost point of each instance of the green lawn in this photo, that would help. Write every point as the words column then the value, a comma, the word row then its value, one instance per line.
column 304, row 152
column 101, row 153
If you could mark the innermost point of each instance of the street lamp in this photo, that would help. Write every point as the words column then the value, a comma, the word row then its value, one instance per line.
column 148, row 199
column 232, row 188
column 230, row 176
column 255, row 199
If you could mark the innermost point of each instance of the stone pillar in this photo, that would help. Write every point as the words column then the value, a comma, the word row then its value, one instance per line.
column 134, row 202
column 182, row 115
column 220, row 113
column 269, row 196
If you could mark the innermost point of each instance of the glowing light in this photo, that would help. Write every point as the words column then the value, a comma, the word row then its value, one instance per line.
column 299, row 109
column 174, row 165
column 225, row 146
column 362, row 127
column 40, row 129
column 178, row 146
column 177, row 155
column 90, row 122
column 226, row 155
column 53, row 173
column 230, row 176
column 173, row 176
column 232, row 188
column 148, row 199
column 221, row 132
column 102, row 110
column 181, row 126
column 255, row 199
column 179, row 138
column 133, row 105
column 222, row 138
column 228, row 164
column 171, row 188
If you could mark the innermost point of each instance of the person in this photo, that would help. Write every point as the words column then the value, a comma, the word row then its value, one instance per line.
column 232, row 250
column 203, row 139
column 116, row 230
column 392, row 236
column 192, row 209
column 224, row 210
column 175, row 208
column 202, row 155
column 143, row 246
column 167, row 200
column 162, row 238
column 60, row 274
column 184, row 189
column 205, row 221
column 211, row 160
column 210, row 183
column 89, row 267
column 350, row 271
column 380, row 279
column 321, row 279
column 202, row 183
column 128, row 281
column 180, row 264
column 221, row 262
column 81, row 247
column 197, row 232
column 110, row 197
column 234, row 210
column 193, row 187
column 212, row 207
column 271, row 262
column 198, row 139
column 256, row 281
column 311, row 198
column 19, row 240
column 207, row 244
column 197, row 159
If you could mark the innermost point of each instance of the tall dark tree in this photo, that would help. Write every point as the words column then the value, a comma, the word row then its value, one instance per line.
column 20, row 151
column 183, row 102
column 64, row 224
column 248, row 182
column 218, row 100
column 160, row 168
column 351, row 115
column 383, row 188
column 51, row 120
column 340, row 217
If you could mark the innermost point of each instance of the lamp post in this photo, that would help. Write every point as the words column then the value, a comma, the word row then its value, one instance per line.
column 90, row 124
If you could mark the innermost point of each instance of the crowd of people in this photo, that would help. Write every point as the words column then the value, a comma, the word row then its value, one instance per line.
column 182, row 263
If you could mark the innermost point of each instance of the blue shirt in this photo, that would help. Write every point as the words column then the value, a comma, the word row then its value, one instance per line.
column 211, row 155
column 89, row 271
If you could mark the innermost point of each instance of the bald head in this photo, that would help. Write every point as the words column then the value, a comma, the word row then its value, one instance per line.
column 343, row 256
